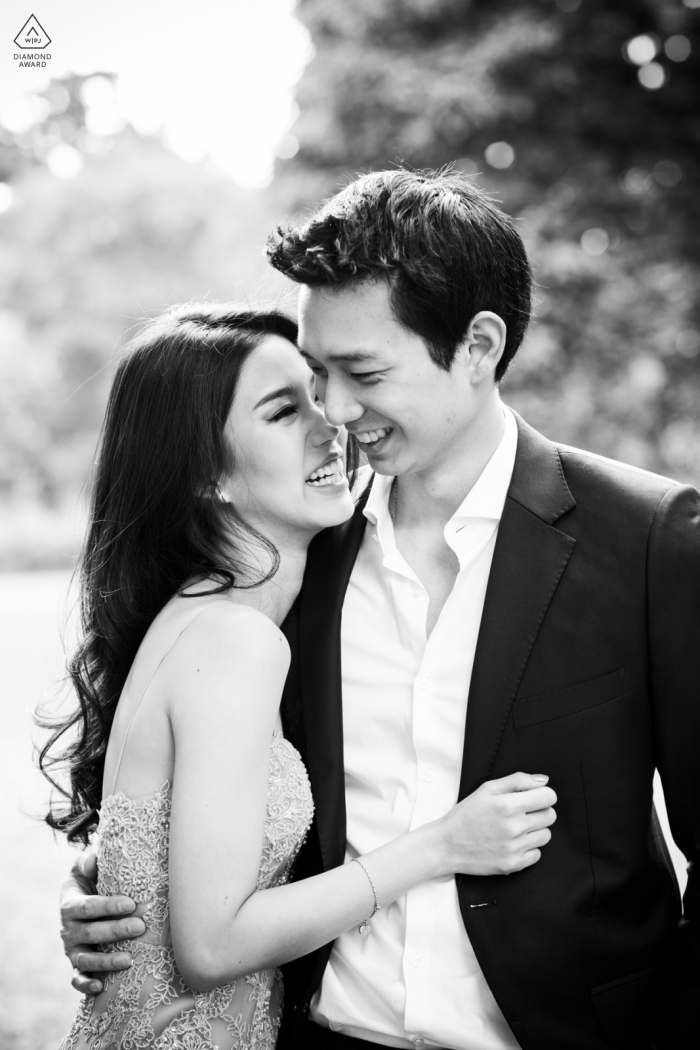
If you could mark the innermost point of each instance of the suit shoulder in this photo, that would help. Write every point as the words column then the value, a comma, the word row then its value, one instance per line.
column 584, row 469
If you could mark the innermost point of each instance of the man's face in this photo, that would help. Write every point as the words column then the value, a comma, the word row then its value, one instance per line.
column 378, row 380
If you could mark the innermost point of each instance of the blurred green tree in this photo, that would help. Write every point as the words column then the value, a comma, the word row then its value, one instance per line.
column 103, row 231
column 581, row 116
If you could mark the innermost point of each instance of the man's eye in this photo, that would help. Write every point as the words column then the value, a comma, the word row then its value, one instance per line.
column 366, row 377
column 288, row 410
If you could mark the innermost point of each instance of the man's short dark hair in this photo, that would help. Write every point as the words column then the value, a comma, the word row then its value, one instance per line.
column 445, row 249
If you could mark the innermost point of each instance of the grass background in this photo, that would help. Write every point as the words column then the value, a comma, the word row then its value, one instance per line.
column 37, row 1002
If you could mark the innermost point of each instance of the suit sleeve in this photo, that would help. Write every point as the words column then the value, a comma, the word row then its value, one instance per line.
column 674, row 657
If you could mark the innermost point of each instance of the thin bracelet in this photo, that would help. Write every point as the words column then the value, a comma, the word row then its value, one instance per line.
column 365, row 929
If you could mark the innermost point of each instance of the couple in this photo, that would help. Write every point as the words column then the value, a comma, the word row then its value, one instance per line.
column 492, row 604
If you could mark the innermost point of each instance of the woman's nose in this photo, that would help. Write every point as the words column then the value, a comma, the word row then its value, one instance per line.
column 323, row 431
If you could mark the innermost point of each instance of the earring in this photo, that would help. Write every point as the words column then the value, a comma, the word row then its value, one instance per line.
column 221, row 496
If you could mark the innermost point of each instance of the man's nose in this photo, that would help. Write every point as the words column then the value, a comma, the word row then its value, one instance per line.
column 339, row 404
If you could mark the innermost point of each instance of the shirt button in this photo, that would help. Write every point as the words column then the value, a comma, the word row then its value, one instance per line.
column 424, row 684
column 416, row 960
column 417, row 592
column 428, row 776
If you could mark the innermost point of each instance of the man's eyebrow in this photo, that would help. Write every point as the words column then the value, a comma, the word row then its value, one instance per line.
column 283, row 391
column 346, row 355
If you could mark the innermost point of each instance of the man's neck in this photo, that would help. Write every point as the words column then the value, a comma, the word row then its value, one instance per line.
column 433, row 495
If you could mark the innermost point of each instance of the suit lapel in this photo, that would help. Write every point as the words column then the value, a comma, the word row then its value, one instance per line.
column 329, row 565
column 529, row 559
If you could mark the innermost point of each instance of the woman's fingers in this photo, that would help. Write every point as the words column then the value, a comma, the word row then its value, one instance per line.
column 531, row 851
column 515, row 782
column 539, row 798
column 543, row 818
column 531, row 857
column 538, row 839
column 491, row 831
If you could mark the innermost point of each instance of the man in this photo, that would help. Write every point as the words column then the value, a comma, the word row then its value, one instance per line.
column 496, row 603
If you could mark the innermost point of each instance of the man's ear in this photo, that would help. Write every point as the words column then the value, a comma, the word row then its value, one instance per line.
column 483, row 345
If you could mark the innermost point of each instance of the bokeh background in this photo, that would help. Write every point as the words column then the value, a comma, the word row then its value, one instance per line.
column 144, row 165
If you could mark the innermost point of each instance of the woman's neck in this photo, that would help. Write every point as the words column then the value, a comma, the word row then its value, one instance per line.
column 276, row 596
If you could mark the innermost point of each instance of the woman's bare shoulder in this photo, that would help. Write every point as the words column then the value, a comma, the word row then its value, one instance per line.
column 221, row 620
column 225, row 636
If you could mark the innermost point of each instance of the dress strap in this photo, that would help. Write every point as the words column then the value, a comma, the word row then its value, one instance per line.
column 172, row 627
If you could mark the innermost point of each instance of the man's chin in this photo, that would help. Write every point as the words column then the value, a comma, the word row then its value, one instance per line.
column 383, row 460
column 384, row 468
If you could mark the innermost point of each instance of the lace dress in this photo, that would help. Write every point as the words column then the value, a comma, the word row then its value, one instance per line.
column 149, row 1007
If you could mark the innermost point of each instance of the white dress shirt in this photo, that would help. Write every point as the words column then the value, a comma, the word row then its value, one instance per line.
column 415, row 980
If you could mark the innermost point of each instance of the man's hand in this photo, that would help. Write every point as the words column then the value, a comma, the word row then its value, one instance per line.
column 502, row 826
column 83, row 926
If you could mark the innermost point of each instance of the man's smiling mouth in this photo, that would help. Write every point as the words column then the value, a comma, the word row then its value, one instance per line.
column 367, row 438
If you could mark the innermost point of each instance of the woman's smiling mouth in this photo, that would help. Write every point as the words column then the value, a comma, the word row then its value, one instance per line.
column 331, row 473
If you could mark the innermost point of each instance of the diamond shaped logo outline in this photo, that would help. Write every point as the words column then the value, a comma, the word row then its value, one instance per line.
column 34, row 23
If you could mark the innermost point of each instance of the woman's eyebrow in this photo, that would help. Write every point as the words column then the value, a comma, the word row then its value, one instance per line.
column 283, row 391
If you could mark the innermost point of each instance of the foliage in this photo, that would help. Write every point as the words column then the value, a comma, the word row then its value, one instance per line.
column 82, row 260
column 545, row 103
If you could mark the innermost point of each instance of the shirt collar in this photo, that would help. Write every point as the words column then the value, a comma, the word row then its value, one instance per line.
column 485, row 499
column 487, row 496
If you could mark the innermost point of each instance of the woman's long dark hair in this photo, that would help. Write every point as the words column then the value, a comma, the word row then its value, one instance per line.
column 153, row 522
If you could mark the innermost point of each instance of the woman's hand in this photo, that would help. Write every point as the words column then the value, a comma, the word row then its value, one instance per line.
column 500, row 828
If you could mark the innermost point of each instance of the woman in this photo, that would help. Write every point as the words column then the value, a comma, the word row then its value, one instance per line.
column 217, row 467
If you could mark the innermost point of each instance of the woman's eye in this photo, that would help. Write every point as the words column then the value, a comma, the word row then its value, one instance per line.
column 288, row 410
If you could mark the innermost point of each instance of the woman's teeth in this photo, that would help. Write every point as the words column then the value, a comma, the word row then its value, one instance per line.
column 331, row 474
column 368, row 437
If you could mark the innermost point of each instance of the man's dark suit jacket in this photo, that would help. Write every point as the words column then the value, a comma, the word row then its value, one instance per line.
column 587, row 668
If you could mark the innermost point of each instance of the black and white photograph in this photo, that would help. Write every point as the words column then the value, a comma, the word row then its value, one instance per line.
column 350, row 524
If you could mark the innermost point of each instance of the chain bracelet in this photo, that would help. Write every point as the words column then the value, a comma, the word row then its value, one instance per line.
column 365, row 929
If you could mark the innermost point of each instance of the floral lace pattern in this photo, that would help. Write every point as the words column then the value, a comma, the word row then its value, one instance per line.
column 148, row 1006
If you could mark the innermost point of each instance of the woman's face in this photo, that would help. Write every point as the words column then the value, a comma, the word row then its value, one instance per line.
column 289, row 474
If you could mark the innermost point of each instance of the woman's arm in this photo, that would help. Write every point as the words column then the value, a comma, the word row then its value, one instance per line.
column 224, row 681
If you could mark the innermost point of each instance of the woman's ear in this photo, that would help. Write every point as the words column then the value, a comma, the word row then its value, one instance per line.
column 216, row 493
column 484, row 344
